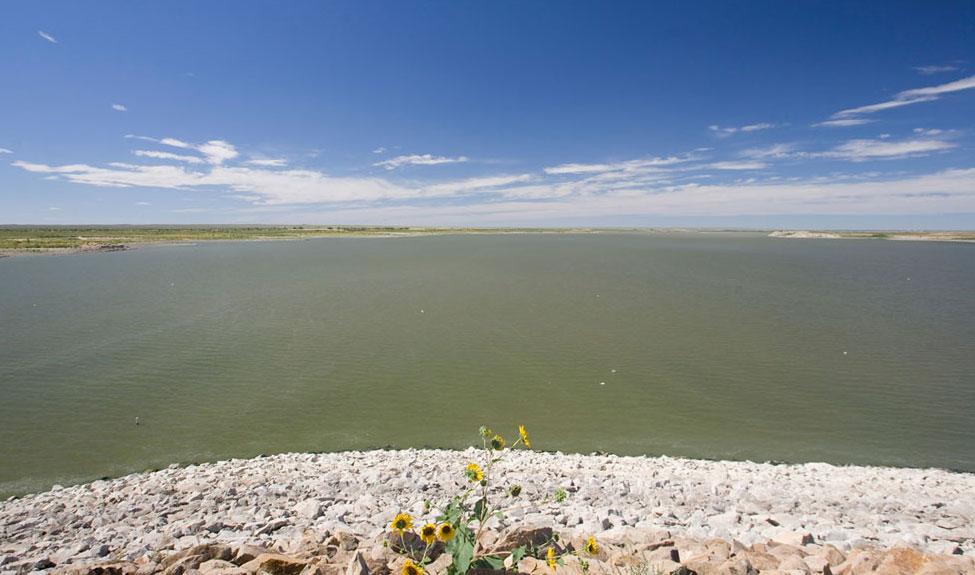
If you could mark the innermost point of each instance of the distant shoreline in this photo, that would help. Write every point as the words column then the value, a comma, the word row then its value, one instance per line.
column 68, row 240
column 895, row 235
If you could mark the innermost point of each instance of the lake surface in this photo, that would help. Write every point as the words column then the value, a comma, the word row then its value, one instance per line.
column 715, row 345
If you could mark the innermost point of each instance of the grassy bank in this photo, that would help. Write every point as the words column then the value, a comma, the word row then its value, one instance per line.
column 70, row 238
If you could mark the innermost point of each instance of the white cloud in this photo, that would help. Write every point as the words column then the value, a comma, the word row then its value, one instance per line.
column 268, row 162
column 842, row 123
column 776, row 151
column 472, row 185
column 214, row 152
column 47, row 37
column 908, row 97
column 143, row 204
column 728, row 130
column 379, row 150
column 119, row 108
column 647, row 164
column 942, row 192
column 886, row 149
column 6, row 151
column 736, row 165
column 418, row 160
column 167, row 156
column 217, row 151
column 642, row 186
column 928, row 70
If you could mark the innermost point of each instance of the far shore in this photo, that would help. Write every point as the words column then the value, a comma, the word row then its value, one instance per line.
column 65, row 240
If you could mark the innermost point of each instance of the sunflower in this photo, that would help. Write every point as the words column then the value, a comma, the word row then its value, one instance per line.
column 591, row 546
column 497, row 443
column 428, row 533
column 402, row 522
column 445, row 532
column 524, row 436
column 550, row 557
column 411, row 568
column 474, row 473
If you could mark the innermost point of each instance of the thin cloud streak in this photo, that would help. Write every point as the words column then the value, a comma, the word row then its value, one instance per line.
column 418, row 160
column 909, row 97
column 47, row 37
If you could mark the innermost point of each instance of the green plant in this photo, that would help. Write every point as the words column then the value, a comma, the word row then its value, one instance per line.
column 461, row 523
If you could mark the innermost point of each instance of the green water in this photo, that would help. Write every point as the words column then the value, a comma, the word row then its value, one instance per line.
column 724, row 345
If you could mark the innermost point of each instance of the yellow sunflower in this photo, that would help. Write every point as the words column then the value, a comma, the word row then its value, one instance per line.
column 445, row 532
column 497, row 443
column 428, row 533
column 402, row 522
column 550, row 557
column 524, row 436
column 411, row 568
column 591, row 546
column 474, row 473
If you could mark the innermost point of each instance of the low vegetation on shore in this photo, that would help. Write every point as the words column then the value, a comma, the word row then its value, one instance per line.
column 94, row 238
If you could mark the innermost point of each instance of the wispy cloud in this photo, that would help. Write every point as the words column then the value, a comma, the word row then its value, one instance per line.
column 47, row 37
column 627, row 166
column 119, row 108
column 6, row 151
column 268, row 162
column 418, row 160
column 214, row 151
column 886, row 149
column 728, row 130
column 738, row 165
column 909, row 97
column 775, row 151
column 842, row 123
column 379, row 150
column 928, row 70
column 167, row 156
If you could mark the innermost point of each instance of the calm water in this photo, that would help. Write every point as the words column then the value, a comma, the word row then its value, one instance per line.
column 729, row 346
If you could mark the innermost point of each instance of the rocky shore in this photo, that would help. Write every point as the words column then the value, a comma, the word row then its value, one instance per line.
column 296, row 504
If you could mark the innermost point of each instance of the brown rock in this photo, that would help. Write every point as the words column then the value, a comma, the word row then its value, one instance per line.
column 246, row 553
column 276, row 564
column 520, row 536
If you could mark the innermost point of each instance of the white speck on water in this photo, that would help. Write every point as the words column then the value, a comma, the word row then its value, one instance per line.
column 602, row 383
column 612, row 371
column 421, row 311
column 844, row 353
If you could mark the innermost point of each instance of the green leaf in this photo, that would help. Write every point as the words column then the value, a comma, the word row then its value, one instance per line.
column 463, row 553
column 480, row 509
column 516, row 555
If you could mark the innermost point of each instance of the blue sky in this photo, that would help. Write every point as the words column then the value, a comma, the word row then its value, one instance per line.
column 754, row 114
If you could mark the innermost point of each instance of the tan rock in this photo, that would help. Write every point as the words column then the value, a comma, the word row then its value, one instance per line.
column 858, row 562
column 816, row 563
column 794, row 563
column 357, row 565
column 215, row 565
column 761, row 560
column 793, row 538
column 901, row 561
